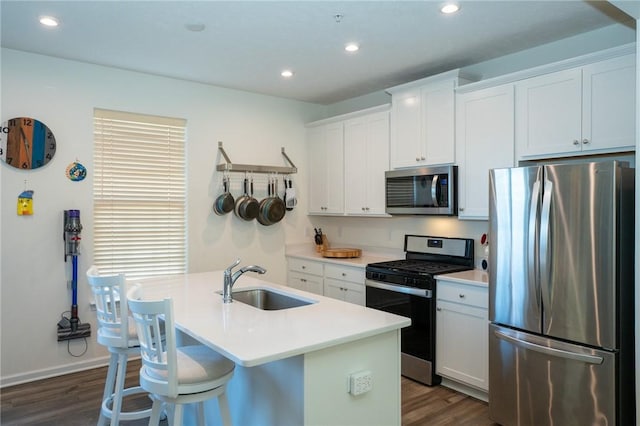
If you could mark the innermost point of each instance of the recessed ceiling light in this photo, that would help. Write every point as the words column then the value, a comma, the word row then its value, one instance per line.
column 287, row 73
column 49, row 21
column 450, row 8
column 195, row 27
column 352, row 47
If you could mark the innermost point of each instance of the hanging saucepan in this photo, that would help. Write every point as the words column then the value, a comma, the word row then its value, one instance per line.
column 240, row 207
column 224, row 203
column 272, row 208
column 262, row 218
column 249, row 208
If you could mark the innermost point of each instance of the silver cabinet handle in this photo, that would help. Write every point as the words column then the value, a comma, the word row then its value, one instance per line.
column 344, row 274
column 438, row 309
column 422, row 158
column 576, row 142
column 461, row 296
column 417, row 158
column 304, row 267
column 585, row 141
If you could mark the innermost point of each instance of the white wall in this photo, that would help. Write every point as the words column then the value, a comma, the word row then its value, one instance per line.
column 63, row 94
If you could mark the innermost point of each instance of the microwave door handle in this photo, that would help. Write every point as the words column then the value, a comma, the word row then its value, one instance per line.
column 434, row 190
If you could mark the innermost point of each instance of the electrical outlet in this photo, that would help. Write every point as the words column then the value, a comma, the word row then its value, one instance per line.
column 360, row 382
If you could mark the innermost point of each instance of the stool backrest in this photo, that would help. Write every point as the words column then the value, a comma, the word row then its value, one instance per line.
column 156, row 334
column 109, row 292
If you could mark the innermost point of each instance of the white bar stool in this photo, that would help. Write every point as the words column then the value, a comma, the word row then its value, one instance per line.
column 176, row 375
column 117, row 332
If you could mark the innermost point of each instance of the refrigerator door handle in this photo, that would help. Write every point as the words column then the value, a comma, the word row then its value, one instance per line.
column 544, row 253
column 589, row 359
column 533, row 257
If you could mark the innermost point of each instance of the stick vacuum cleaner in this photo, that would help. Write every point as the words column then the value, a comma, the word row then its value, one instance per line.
column 72, row 328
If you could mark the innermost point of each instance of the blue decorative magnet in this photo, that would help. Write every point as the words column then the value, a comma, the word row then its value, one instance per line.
column 76, row 171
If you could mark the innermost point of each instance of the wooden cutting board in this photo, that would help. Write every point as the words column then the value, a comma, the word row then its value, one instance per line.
column 342, row 252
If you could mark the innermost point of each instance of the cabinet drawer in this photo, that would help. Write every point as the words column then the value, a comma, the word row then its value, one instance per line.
column 464, row 294
column 305, row 266
column 344, row 273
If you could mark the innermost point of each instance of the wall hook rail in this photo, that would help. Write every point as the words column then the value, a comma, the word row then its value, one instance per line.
column 229, row 166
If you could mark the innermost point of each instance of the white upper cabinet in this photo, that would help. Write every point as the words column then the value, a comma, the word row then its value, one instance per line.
column 326, row 168
column 366, row 158
column 484, row 141
column 586, row 109
column 423, row 121
column 348, row 156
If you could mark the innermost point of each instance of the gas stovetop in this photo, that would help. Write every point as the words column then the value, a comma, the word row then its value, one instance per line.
column 425, row 257
column 420, row 267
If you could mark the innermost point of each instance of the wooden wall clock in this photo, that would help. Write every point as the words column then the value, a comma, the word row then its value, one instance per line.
column 26, row 143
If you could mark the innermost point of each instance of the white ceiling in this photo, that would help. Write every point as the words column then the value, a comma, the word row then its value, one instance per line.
column 245, row 44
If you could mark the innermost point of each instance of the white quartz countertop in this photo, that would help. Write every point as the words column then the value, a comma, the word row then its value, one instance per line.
column 474, row 277
column 251, row 336
column 362, row 261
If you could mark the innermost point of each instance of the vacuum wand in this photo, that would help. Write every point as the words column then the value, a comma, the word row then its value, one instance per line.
column 72, row 328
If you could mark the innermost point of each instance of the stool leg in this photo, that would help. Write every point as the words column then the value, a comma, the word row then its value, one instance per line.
column 177, row 415
column 225, row 413
column 156, row 410
column 117, row 397
column 200, row 412
column 108, row 385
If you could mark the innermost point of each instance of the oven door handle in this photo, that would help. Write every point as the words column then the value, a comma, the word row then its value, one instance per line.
column 420, row 292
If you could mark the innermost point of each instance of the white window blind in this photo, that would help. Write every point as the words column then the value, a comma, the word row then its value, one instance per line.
column 139, row 194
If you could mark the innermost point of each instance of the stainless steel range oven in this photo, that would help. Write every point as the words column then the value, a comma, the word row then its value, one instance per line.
column 406, row 287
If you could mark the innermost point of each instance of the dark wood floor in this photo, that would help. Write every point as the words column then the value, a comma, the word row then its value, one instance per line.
column 74, row 400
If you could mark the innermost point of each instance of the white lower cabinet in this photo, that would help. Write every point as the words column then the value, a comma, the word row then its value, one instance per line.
column 462, row 353
column 344, row 283
column 305, row 275
column 340, row 282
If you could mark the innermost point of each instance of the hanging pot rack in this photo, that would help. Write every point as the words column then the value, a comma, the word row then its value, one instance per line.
column 254, row 168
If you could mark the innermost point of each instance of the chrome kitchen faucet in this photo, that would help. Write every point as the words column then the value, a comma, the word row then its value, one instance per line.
column 230, row 279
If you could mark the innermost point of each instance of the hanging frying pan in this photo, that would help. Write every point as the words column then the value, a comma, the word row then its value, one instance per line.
column 273, row 209
column 224, row 203
column 249, row 207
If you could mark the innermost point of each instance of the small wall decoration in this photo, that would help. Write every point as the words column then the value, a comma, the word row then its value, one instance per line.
column 76, row 171
column 26, row 143
column 25, row 203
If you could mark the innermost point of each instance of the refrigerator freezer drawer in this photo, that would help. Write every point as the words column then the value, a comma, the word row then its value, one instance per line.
column 538, row 381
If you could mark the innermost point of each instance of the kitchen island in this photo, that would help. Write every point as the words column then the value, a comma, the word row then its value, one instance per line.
column 293, row 366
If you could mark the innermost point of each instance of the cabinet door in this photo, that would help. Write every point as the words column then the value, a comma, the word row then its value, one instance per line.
column 462, row 335
column 355, row 165
column 548, row 114
column 377, row 160
column 366, row 146
column 609, row 104
column 406, row 129
column 345, row 291
column 484, row 140
column 305, row 282
column 438, row 121
column 333, row 289
column 326, row 175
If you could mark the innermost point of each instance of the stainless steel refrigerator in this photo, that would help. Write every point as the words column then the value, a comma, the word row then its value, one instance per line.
column 561, row 295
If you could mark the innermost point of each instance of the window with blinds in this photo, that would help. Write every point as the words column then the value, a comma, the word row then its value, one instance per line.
column 139, row 194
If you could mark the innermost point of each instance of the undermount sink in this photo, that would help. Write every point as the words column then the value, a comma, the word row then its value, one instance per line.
column 268, row 300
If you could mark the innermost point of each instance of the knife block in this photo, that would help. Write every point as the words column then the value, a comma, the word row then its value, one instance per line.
column 325, row 244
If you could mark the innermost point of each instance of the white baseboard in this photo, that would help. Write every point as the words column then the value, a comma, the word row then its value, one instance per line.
column 467, row 390
column 46, row 373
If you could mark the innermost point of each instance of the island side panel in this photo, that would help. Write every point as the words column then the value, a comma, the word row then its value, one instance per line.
column 326, row 377
column 266, row 395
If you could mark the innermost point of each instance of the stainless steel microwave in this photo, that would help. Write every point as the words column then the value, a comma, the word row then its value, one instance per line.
column 422, row 191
